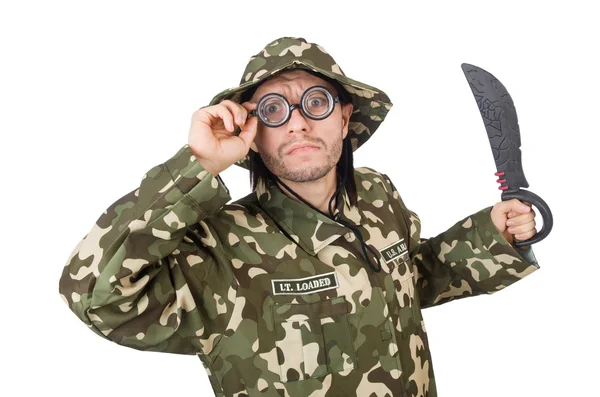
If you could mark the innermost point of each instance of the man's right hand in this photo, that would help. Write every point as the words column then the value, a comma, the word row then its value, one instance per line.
column 212, row 140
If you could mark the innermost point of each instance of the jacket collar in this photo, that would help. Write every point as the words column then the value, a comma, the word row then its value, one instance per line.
column 310, row 229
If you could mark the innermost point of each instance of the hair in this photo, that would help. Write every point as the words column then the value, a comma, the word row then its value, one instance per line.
column 345, row 165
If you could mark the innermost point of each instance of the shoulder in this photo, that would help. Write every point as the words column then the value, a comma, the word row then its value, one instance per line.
column 242, row 212
column 237, row 218
column 370, row 179
column 248, row 203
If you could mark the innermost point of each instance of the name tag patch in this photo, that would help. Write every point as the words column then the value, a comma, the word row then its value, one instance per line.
column 307, row 285
column 394, row 251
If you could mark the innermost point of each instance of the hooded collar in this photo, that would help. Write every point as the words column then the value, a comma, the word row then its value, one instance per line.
column 310, row 229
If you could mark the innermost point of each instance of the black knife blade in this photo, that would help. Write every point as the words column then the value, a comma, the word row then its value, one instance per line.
column 499, row 117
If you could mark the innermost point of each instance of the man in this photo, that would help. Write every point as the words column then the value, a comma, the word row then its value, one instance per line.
column 313, row 284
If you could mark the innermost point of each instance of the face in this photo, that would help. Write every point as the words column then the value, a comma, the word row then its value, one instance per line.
column 301, row 150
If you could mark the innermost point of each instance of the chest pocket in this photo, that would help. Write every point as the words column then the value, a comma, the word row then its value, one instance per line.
column 313, row 339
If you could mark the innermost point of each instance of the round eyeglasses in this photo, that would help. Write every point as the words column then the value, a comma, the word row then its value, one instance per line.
column 274, row 110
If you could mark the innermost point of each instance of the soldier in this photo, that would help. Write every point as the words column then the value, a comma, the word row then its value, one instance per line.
column 313, row 284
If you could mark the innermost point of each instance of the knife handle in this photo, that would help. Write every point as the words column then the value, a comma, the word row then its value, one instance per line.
column 544, row 210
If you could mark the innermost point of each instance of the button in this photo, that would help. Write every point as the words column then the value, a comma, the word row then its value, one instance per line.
column 336, row 216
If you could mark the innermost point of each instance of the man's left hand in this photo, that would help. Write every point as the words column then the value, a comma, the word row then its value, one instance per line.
column 514, row 218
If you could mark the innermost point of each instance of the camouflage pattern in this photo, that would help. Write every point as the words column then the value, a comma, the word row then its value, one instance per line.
column 371, row 105
column 172, row 267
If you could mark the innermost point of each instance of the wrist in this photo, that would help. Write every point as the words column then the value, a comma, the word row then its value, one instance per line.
column 208, row 167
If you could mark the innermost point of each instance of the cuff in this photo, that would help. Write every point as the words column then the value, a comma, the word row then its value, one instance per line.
column 208, row 192
column 491, row 236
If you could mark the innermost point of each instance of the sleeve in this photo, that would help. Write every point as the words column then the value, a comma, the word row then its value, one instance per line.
column 468, row 259
column 137, row 279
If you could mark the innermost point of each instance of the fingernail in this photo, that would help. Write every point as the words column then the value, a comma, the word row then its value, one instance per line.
column 510, row 223
column 524, row 208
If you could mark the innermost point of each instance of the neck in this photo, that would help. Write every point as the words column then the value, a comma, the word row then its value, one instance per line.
column 317, row 192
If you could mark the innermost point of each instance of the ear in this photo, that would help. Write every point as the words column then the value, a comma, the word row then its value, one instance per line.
column 346, row 113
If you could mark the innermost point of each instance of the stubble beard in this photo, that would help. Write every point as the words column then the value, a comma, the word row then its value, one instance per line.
column 304, row 174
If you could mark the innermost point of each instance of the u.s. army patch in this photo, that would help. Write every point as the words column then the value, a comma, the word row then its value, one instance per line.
column 394, row 250
column 307, row 285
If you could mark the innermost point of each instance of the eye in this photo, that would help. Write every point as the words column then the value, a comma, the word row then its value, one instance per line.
column 316, row 102
column 272, row 108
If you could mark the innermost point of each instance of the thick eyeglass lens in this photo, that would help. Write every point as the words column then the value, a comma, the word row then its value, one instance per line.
column 274, row 109
column 317, row 102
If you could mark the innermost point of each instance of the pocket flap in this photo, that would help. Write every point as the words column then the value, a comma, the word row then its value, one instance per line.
column 310, row 311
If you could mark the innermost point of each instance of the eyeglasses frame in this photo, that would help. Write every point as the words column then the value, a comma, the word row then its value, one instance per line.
column 291, row 107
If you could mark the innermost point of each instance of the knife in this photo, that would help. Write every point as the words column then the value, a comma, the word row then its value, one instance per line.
column 500, row 119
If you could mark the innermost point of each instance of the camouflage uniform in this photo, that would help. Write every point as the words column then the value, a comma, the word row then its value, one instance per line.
column 275, row 298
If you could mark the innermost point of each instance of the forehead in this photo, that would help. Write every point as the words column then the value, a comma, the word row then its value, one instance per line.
column 289, row 82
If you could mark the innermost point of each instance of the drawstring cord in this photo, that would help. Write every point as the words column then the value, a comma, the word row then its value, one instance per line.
column 336, row 218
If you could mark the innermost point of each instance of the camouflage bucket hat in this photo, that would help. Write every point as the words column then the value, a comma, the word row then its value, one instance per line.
column 371, row 105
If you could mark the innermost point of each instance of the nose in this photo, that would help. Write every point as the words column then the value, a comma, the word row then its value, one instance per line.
column 297, row 121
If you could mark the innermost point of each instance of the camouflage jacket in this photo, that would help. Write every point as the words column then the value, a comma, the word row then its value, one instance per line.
column 275, row 298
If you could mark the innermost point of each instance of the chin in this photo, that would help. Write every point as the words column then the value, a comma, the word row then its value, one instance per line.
column 307, row 173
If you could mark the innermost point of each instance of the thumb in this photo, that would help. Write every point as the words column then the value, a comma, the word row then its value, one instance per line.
column 249, row 131
column 515, row 206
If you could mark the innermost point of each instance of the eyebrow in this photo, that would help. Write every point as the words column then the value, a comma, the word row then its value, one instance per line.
column 281, row 92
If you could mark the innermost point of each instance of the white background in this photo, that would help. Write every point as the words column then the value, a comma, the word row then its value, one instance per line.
column 94, row 94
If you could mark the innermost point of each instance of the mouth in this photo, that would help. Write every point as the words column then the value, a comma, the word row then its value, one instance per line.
column 305, row 148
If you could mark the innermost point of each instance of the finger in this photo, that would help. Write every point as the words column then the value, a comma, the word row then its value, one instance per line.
column 238, row 111
column 520, row 219
column 522, row 228
column 249, row 105
column 225, row 114
column 526, row 236
column 248, row 132
column 513, row 205
column 531, row 214
column 221, row 112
